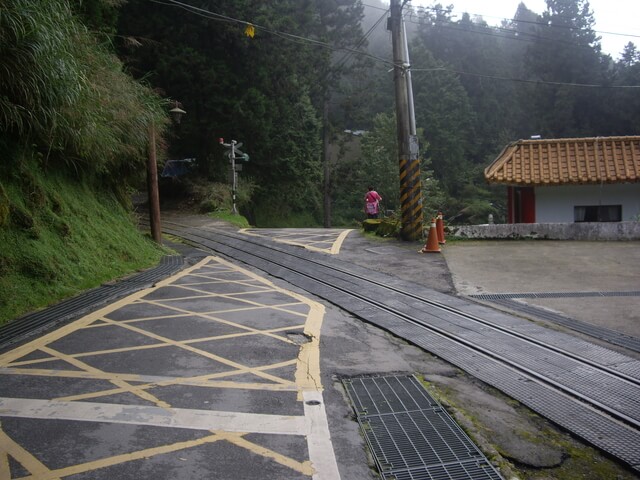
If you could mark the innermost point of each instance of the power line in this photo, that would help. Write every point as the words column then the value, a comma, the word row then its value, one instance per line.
column 344, row 59
column 509, row 34
column 541, row 24
column 299, row 39
column 520, row 80
column 493, row 30
column 288, row 36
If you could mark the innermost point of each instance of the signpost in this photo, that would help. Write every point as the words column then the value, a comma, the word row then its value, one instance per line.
column 233, row 153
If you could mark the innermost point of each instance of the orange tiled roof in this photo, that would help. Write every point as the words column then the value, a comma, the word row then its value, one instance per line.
column 567, row 161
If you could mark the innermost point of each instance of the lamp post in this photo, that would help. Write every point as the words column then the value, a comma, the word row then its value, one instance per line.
column 152, row 176
column 177, row 113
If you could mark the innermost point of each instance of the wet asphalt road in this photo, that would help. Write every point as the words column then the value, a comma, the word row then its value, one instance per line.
column 230, row 391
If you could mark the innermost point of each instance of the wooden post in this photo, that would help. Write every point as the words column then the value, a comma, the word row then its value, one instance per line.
column 152, row 188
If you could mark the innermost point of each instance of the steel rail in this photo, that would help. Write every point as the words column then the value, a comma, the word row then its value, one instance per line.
column 601, row 428
column 497, row 357
column 604, row 368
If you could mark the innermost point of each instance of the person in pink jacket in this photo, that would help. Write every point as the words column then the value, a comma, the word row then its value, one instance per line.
column 372, row 203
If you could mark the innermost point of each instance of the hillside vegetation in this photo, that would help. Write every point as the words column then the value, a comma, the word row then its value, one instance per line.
column 83, row 82
column 60, row 237
column 73, row 139
column 313, row 69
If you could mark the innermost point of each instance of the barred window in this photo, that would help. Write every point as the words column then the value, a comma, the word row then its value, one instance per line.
column 597, row 213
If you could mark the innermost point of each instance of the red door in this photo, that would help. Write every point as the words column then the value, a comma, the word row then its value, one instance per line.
column 522, row 204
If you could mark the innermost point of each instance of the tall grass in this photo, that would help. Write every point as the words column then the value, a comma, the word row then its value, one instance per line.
column 73, row 135
column 60, row 237
column 67, row 95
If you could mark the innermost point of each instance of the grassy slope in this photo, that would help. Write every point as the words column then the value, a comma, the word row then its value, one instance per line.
column 59, row 237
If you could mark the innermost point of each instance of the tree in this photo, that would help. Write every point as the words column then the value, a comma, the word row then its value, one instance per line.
column 624, row 103
column 481, row 56
column 630, row 55
column 98, row 15
column 444, row 112
column 256, row 90
column 338, row 26
column 376, row 164
column 567, row 51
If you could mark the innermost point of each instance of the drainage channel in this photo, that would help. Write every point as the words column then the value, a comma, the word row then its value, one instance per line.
column 611, row 336
column 34, row 323
column 501, row 296
column 410, row 434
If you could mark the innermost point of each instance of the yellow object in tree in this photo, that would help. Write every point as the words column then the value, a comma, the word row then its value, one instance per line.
column 250, row 30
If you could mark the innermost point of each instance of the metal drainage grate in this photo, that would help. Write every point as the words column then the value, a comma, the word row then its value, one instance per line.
column 611, row 336
column 409, row 433
column 34, row 323
column 503, row 296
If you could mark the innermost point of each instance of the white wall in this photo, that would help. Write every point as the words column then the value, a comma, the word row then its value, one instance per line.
column 555, row 204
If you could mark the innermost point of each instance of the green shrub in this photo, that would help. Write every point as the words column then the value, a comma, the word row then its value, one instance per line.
column 383, row 227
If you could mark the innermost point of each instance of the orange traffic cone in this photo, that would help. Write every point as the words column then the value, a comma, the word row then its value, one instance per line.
column 440, row 229
column 432, row 240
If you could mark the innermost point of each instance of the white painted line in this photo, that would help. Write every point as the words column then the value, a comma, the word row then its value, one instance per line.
column 154, row 416
column 319, row 443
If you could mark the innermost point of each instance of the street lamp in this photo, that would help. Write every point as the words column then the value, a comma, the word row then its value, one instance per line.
column 176, row 112
column 152, row 176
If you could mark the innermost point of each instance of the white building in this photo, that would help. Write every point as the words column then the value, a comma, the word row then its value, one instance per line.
column 570, row 180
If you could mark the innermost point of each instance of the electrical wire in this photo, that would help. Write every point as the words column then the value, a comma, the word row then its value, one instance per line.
column 288, row 36
column 521, row 80
column 299, row 39
column 508, row 34
column 541, row 24
column 492, row 30
column 348, row 55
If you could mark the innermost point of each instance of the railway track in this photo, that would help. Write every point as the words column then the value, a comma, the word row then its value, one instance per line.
column 589, row 390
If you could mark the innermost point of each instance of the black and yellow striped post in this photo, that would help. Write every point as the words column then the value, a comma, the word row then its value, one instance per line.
column 411, row 198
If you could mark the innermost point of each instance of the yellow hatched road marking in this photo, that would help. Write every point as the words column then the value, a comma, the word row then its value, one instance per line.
column 200, row 381
column 157, row 345
column 24, row 458
column 5, row 471
column 116, row 381
column 166, row 302
column 307, row 372
column 283, row 386
column 335, row 249
column 126, row 457
column 206, row 354
column 148, row 416
column 304, row 468
column 300, row 238
column 205, row 293
column 27, row 348
column 209, row 316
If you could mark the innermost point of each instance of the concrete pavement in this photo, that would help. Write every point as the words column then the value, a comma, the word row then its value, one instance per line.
column 541, row 266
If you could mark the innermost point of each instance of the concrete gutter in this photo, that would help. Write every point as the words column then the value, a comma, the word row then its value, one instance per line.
column 614, row 231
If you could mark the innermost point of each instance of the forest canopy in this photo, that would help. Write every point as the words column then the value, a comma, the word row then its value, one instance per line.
column 82, row 81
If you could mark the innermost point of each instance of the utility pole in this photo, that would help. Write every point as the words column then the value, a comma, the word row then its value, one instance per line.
column 153, row 194
column 326, row 170
column 409, row 163
column 234, row 178
column 152, row 187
